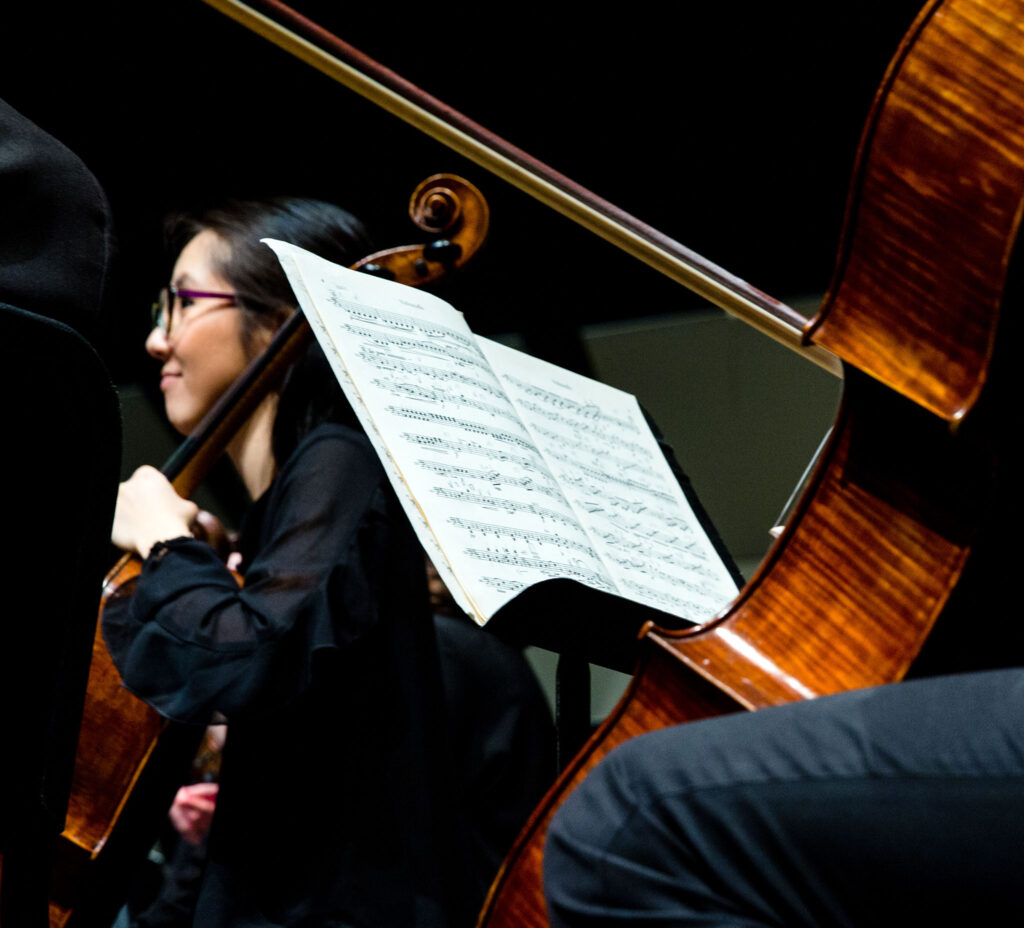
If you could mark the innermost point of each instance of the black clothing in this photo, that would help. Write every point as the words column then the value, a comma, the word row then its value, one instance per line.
column 896, row 805
column 333, row 807
column 502, row 738
column 56, row 256
column 60, row 411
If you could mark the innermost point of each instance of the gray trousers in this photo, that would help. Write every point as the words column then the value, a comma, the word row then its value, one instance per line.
column 897, row 805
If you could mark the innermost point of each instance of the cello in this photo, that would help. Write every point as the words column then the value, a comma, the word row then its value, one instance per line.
column 877, row 550
column 130, row 760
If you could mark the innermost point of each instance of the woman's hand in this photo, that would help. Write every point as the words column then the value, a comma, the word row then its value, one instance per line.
column 192, row 811
column 149, row 510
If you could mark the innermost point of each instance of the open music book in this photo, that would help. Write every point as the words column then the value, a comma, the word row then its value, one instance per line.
column 512, row 470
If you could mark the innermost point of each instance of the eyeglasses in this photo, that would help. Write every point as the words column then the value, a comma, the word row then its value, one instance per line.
column 179, row 299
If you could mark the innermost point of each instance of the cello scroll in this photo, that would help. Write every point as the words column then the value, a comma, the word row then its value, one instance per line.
column 445, row 206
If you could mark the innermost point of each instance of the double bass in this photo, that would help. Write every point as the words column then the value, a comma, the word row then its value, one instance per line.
column 880, row 558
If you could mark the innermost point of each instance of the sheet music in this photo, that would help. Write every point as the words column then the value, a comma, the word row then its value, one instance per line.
column 482, row 496
column 412, row 510
column 598, row 445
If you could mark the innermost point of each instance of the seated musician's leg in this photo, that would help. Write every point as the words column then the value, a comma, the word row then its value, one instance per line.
column 895, row 805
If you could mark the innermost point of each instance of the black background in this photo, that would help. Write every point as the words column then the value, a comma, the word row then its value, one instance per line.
column 730, row 127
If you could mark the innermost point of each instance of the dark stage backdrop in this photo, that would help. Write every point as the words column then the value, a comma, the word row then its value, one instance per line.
column 730, row 127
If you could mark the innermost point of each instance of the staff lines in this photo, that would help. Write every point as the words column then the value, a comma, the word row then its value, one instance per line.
column 491, row 477
column 389, row 319
column 417, row 346
column 525, row 535
column 384, row 360
column 444, row 398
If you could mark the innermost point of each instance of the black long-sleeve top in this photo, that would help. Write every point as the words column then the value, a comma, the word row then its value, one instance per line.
column 333, row 806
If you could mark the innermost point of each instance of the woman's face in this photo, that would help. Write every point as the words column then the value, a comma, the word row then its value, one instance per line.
column 204, row 354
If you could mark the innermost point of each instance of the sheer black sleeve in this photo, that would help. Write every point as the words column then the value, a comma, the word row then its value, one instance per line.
column 192, row 643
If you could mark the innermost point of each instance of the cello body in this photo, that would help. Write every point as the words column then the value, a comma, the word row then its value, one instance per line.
column 875, row 556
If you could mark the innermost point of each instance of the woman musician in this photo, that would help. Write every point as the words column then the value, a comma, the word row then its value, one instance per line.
column 336, row 799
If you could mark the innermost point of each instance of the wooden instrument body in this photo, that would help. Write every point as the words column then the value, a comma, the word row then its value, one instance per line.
column 878, row 543
column 130, row 761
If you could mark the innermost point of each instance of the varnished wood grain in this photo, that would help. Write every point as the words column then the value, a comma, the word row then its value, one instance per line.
column 119, row 733
column 657, row 697
column 934, row 209
column 850, row 592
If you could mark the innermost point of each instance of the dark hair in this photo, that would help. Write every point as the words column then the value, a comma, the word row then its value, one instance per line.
column 310, row 393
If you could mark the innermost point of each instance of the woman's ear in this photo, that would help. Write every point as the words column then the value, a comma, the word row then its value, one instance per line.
column 269, row 325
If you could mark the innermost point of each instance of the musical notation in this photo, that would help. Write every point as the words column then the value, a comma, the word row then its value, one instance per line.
column 411, row 346
column 530, row 538
column 458, row 448
column 552, row 401
column 607, row 475
column 547, row 568
column 513, row 507
column 494, row 478
column 388, row 320
column 389, row 361
column 512, row 470
column 445, row 398
column 617, row 452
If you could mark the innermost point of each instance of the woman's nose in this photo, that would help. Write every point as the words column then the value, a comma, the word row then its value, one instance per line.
column 157, row 343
